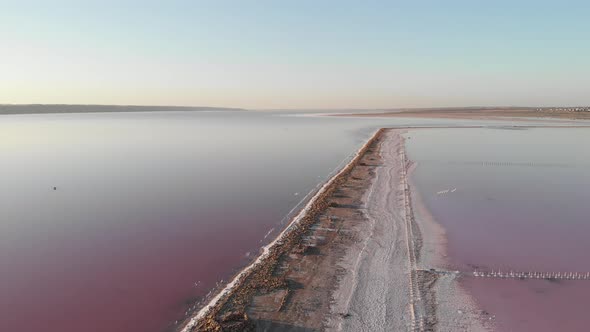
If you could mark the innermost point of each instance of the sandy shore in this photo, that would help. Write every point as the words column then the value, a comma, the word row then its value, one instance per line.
column 397, row 281
column 527, row 113
column 363, row 255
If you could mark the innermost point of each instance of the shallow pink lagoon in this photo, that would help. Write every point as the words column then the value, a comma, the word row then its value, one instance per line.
column 521, row 203
column 149, row 212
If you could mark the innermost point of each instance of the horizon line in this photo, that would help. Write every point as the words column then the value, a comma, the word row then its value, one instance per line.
column 296, row 108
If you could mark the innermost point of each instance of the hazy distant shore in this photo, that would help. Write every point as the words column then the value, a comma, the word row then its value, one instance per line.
column 355, row 258
column 57, row 108
column 481, row 113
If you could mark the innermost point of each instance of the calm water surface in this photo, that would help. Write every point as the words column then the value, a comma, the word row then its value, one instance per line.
column 150, row 210
column 522, row 203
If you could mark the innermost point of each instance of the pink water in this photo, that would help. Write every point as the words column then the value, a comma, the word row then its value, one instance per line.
column 521, row 203
column 150, row 210
column 77, row 286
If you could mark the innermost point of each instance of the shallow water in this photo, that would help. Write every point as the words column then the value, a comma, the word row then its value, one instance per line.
column 150, row 210
column 146, row 205
column 521, row 203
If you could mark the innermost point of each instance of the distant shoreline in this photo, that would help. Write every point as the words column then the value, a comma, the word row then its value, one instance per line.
column 474, row 113
column 15, row 109
column 480, row 113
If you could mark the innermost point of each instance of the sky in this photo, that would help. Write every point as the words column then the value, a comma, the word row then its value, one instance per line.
column 296, row 54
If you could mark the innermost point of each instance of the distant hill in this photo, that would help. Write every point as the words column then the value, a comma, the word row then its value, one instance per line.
column 56, row 108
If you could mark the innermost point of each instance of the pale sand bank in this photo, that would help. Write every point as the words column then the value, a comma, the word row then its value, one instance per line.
column 380, row 291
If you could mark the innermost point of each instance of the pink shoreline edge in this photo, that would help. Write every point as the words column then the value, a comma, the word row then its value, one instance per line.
column 427, row 223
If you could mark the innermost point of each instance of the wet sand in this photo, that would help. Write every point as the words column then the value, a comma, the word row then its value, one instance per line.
column 360, row 257
column 478, row 113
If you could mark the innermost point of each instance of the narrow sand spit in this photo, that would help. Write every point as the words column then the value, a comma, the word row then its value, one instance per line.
column 375, row 291
column 389, row 285
column 358, row 259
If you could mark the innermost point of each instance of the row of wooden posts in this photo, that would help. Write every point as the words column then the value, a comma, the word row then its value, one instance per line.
column 533, row 275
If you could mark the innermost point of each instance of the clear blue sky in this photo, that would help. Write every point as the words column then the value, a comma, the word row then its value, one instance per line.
column 296, row 54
